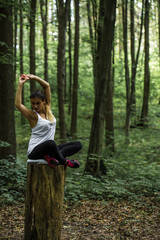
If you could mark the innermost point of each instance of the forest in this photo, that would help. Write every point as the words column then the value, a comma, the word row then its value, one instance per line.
column 102, row 61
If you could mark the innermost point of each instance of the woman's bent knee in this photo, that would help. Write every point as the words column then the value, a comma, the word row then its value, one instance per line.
column 50, row 143
column 79, row 145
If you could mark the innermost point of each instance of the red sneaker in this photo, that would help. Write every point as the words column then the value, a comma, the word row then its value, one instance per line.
column 72, row 163
column 52, row 162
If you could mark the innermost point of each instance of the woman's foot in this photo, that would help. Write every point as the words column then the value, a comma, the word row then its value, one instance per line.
column 72, row 163
column 52, row 162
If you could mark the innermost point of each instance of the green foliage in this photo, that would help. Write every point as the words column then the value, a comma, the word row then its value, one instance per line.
column 12, row 182
column 6, row 4
column 4, row 144
column 132, row 173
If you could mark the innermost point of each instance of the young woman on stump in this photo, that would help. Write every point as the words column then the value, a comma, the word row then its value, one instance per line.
column 43, row 124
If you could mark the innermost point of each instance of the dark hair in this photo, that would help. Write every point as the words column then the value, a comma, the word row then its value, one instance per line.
column 39, row 94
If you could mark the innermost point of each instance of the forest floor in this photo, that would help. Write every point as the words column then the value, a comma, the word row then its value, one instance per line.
column 94, row 220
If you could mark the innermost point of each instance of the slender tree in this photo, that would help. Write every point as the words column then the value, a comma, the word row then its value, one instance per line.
column 21, row 40
column 70, row 59
column 109, row 119
column 15, row 36
column 21, row 51
column 134, row 55
column 120, row 32
column 62, row 13
column 132, row 29
column 75, row 73
column 44, row 15
column 32, row 41
column 145, row 106
column 7, row 126
column 159, row 31
column 127, row 76
column 92, row 10
column 102, row 86
column 130, row 81
column 159, row 25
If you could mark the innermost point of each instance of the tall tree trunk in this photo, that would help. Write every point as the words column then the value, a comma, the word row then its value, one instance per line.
column 132, row 28
column 44, row 15
column 98, row 40
column 159, row 26
column 133, row 57
column 103, row 81
column 15, row 38
column 109, row 134
column 75, row 73
column 120, row 33
column 127, row 77
column 70, row 59
column 21, row 52
column 62, row 12
column 144, row 113
column 92, row 22
column 159, row 32
column 7, row 125
column 21, row 41
column 32, row 42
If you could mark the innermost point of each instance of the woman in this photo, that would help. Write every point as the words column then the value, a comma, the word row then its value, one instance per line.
column 43, row 124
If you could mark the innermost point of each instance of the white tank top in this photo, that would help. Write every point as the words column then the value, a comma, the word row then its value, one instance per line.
column 43, row 131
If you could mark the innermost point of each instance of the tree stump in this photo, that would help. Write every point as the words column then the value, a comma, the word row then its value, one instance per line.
column 44, row 202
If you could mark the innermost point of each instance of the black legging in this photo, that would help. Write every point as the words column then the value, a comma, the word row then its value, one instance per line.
column 59, row 152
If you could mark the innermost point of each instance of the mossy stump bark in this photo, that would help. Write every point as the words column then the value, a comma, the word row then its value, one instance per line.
column 44, row 202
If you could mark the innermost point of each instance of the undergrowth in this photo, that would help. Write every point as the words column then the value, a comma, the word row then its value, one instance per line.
column 130, row 175
column 12, row 182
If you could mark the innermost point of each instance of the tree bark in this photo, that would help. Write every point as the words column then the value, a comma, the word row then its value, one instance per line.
column 21, row 41
column 7, row 124
column 120, row 33
column 127, row 77
column 15, row 38
column 32, row 42
column 62, row 12
column 159, row 26
column 44, row 15
column 102, row 81
column 75, row 73
column 133, row 57
column 21, row 52
column 109, row 120
column 70, row 60
column 144, row 113
column 95, row 33
column 132, row 27
column 159, row 32
column 44, row 202
column 92, row 22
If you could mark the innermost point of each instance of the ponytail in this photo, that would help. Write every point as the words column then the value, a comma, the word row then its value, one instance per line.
column 48, row 112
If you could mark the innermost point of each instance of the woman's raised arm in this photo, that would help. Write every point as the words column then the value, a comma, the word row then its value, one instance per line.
column 18, row 99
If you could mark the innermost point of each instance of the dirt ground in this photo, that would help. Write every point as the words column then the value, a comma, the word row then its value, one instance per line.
column 94, row 220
